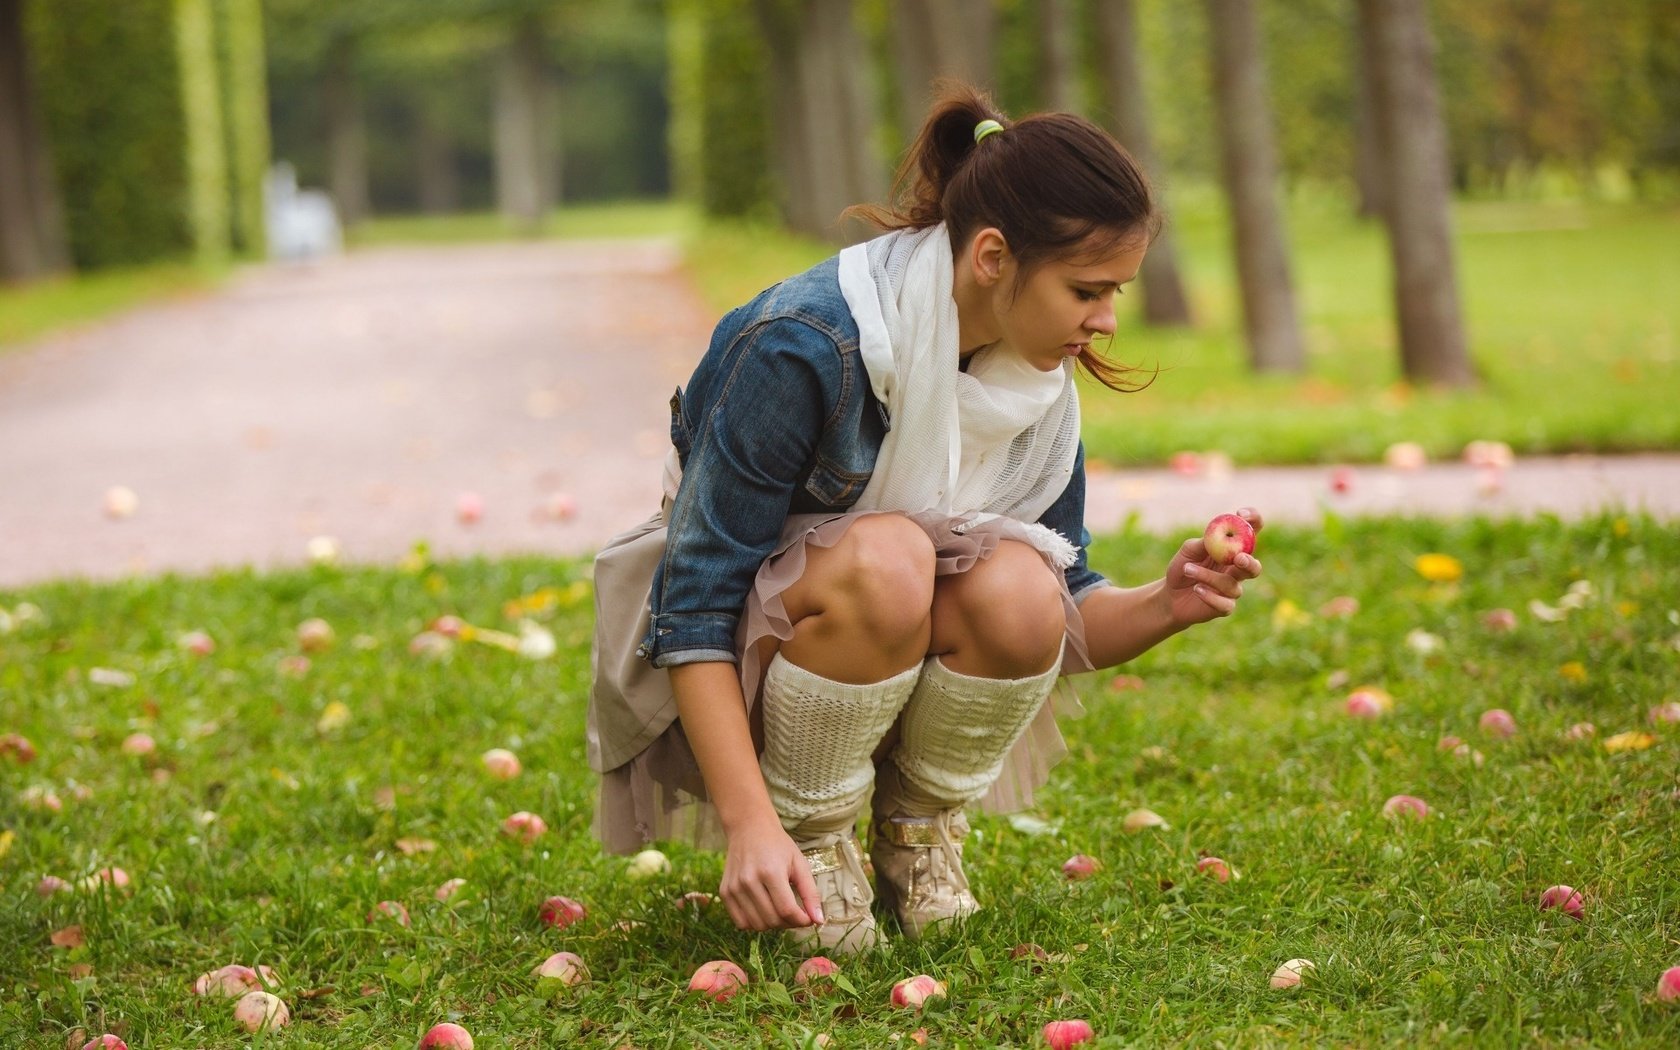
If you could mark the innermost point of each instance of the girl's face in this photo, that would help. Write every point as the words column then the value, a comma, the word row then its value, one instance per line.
column 1061, row 306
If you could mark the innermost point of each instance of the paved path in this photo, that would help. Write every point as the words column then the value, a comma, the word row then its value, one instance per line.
column 359, row 397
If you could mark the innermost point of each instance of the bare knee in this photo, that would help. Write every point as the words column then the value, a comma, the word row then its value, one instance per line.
column 861, row 611
column 1003, row 618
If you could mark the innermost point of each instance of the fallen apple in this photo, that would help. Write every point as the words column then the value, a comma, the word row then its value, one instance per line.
column 1566, row 899
column 1368, row 702
column 449, row 889
column 41, row 799
column 718, row 980
column 138, row 744
column 1215, row 868
column 51, row 884
column 564, row 967
column 389, row 910
column 1141, row 819
column 1341, row 480
column 1668, row 985
column 1079, row 866
column 446, row 1036
column 198, row 643
column 1060, row 1035
column 1406, row 806
column 526, row 827
column 120, row 502
column 912, row 992
column 1405, row 455
column 1497, row 722
column 259, row 1010
column 105, row 1042
column 695, row 900
column 1500, row 620
column 816, row 968
column 1665, row 713
column 17, row 748
column 114, row 878
column 648, row 863
column 561, row 912
column 501, row 763
column 1227, row 536
column 233, row 981
column 1580, row 731
column 1292, row 973
column 314, row 635
column 469, row 508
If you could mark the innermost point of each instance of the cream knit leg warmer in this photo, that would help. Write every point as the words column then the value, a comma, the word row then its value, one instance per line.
column 958, row 730
column 818, row 738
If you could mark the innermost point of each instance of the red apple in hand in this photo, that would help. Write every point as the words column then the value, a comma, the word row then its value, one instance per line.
column 1228, row 536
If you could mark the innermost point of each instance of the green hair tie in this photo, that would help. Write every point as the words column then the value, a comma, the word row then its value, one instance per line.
column 984, row 128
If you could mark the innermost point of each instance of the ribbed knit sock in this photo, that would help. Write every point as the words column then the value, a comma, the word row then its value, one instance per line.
column 819, row 736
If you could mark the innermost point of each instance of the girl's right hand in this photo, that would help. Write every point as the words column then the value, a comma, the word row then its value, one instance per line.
column 767, row 883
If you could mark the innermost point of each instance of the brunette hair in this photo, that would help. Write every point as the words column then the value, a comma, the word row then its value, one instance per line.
column 1053, row 183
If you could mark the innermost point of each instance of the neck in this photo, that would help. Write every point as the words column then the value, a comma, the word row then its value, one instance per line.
column 976, row 325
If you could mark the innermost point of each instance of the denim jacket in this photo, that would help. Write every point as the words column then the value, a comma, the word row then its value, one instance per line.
column 778, row 419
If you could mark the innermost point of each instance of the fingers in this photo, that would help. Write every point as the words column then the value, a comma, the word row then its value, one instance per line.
column 810, row 899
column 1208, row 582
column 1252, row 516
column 770, row 902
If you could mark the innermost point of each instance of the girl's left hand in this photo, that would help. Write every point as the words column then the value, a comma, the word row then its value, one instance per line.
column 1200, row 590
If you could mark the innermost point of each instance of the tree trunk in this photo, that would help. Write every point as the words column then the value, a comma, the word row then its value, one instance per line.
column 822, row 115
column 1058, row 65
column 1419, row 215
column 1370, row 180
column 436, row 179
column 939, row 38
column 1164, row 300
column 525, row 172
column 347, row 174
column 32, row 237
column 1249, row 162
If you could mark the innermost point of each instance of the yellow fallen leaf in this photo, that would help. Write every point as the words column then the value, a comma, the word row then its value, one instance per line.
column 1620, row 528
column 1439, row 568
column 1633, row 741
column 7, row 837
column 284, row 778
column 1287, row 614
column 334, row 716
column 1574, row 671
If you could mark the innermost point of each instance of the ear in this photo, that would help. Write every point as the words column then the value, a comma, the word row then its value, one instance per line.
column 988, row 255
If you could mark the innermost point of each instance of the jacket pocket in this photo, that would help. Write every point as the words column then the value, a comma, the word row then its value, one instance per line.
column 679, row 426
column 834, row 487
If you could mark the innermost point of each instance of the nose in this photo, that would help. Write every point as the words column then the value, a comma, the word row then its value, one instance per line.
column 1101, row 321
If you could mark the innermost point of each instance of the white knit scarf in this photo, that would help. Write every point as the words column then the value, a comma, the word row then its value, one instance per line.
column 998, row 440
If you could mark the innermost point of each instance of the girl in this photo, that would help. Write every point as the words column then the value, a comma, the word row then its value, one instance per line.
column 870, row 569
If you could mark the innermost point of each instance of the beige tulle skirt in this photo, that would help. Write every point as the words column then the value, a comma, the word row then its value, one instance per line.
column 657, row 794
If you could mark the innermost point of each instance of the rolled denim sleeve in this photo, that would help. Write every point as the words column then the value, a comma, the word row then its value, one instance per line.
column 747, row 455
column 1067, row 516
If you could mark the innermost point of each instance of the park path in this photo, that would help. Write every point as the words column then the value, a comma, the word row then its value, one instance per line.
column 358, row 397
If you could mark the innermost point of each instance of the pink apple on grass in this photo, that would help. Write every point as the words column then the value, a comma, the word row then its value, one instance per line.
column 564, row 967
column 501, row 763
column 1079, row 867
column 105, row 1042
column 449, row 889
column 138, row 744
column 258, row 1010
column 17, row 747
column 912, row 992
column 1566, row 899
column 718, row 980
column 526, row 827
column 469, row 508
column 1406, row 806
column 446, row 1036
column 561, row 912
column 1497, row 722
column 1215, row 868
column 1292, row 973
column 233, row 981
column 816, row 968
column 389, row 910
column 315, row 635
column 1227, row 536
column 197, row 643
column 1059, row 1035
column 1668, row 985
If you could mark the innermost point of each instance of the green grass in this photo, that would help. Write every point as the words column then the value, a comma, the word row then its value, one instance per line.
column 1571, row 311
column 29, row 311
column 1422, row 932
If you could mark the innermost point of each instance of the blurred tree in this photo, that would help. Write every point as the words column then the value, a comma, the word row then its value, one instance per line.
column 822, row 115
column 244, row 104
column 1369, row 177
column 1418, row 207
column 1058, row 67
column 720, row 125
column 527, row 167
column 1249, row 162
column 1164, row 299
column 931, row 39
column 346, row 120
column 32, row 237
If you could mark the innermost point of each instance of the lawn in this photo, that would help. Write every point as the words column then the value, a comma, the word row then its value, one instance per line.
column 1571, row 310
column 30, row 311
column 290, row 793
